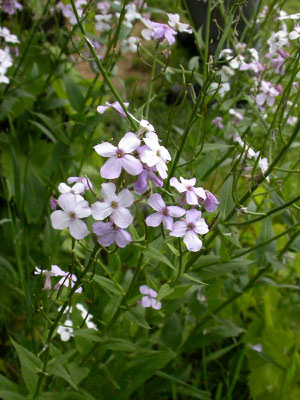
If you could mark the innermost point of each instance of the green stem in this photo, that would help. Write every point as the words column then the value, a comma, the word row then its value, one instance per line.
column 151, row 82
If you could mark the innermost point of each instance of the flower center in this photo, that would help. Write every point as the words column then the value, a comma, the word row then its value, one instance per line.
column 165, row 211
column 190, row 226
column 119, row 153
column 158, row 153
column 72, row 215
column 189, row 188
column 114, row 204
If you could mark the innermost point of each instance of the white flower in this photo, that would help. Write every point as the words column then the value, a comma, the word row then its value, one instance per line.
column 70, row 215
column 75, row 190
column 157, row 155
column 8, row 37
column 221, row 88
column 66, row 331
column 129, row 45
column 295, row 34
column 292, row 16
column 103, row 22
column 177, row 25
column 86, row 317
column 114, row 205
column 278, row 40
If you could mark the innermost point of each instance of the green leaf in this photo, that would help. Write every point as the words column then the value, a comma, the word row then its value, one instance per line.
column 8, row 395
column 88, row 334
column 30, row 365
column 54, row 127
column 164, row 291
column 216, row 270
column 220, row 353
column 154, row 254
column 57, row 369
column 106, row 284
column 208, row 147
column 74, row 94
column 179, row 291
column 137, row 315
column 225, row 198
column 171, row 333
column 78, row 373
column 6, row 384
column 44, row 130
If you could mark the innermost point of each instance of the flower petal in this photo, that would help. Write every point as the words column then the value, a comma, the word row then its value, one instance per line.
column 144, row 289
column 102, row 228
column 200, row 192
column 156, row 202
column 106, row 240
column 162, row 168
column 67, row 202
column 125, row 198
column 149, row 157
column 191, row 198
column 177, row 185
column 156, row 305
column 101, row 210
column 60, row 219
column 78, row 229
column 132, row 165
column 64, row 188
column 56, row 271
column 105, row 149
column 146, row 302
column 175, row 211
column 129, row 142
column 122, row 238
column 108, row 191
column 102, row 109
column 122, row 217
column 179, row 229
column 192, row 215
column 141, row 184
column 168, row 222
column 201, row 226
column 154, row 219
column 192, row 241
column 82, row 209
column 112, row 168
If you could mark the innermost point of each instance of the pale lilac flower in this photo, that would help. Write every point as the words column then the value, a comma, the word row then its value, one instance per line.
column 278, row 40
column 104, row 22
column 164, row 214
column 129, row 45
column 267, row 95
column 7, row 36
column 148, row 173
column 67, row 280
column 38, row 271
column 119, row 157
column 116, row 105
column 174, row 22
column 292, row 16
column 114, row 205
column 108, row 233
column 218, row 122
column 278, row 61
column 187, row 186
column 103, row 6
column 149, row 299
column 238, row 117
column 70, row 215
column 75, row 190
column 157, row 155
column 80, row 179
column 145, row 126
column 254, row 66
column 257, row 347
column 295, row 34
column 221, row 88
column 66, row 331
column 53, row 204
column 211, row 202
column 248, row 150
column 10, row 6
column 158, row 31
column 190, row 228
column 263, row 164
column 68, row 12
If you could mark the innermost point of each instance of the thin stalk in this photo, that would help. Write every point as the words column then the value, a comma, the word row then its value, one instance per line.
column 151, row 82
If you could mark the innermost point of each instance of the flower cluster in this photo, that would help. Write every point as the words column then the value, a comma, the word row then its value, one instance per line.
column 68, row 12
column 67, row 279
column 6, row 61
column 10, row 6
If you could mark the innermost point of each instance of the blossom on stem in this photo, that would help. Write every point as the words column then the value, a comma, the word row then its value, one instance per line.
column 149, row 299
column 66, row 331
column 164, row 214
column 87, row 317
column 158, row 31
column 70, row 215
column 187, row 186
column 67, row 279
column 156, row 155
column 75, row 190
column 108, row 233
column 267, row 94
column 174, row 22
column 218, row 122
column 114, row 205
column 278, row 61
column 120, row 157
column 116, row 105
column 278, row 40
column 80, row 179
column 211, row 202
column 148, row 173
column 189, row 230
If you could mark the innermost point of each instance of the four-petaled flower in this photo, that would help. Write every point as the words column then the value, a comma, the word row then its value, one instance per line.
column 158, row 31
column 70, row 215
column 156, row 155
column 190, row 228
column 149, row 299
column 67, row 279
column 268, row 93
column 164, row 213
column 174, row 22
column 187, row 186
column 75, row 189
column 114, row 205
column 66, row 331
column 120, row 157
column 85, row 181
column 116, row 105
column 211, row 202
column 108, row 233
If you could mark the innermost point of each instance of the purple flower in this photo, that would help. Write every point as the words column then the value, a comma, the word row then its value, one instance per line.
column 108, row 233
column 67, row 279
column 141, row 185
column 211, row 202
column 119, row 157
column 254, row 66
column 158, row 31
column 10, row 6
column 164, row 213
column 114, row 205
column 116, row 105
column 190, row 228
column 218, row 122
column 70, row 215
column 149, row 299
column 155, row 155
column 238, row 117
column 187, row 186
column 80, row 179
column 267, row 95
column 53, row 204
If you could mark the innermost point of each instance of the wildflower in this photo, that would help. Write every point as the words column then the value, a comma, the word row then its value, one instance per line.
column 10, row 6
column 75, row 190
column 87, row 317
column 145, row 126
column 156, row 155
column 177, row 25
column 129, row 45
column 53, row 204
column 116, row 105
column 187, row 186
column 108, row 233
column 148, row 173
column 103, row 6
column 263, row 164
column 119, row 157
column 221, row 88
column 238, row 117
column 80, row 179
column 267, row 95
column 7, row 36
column 68, row 12
column 66, row 331
column 292, row 16
column 114, row 205
column 164, row 213
column 103, row 23
column 278, row 40
column 70, row 215
column 257, row 347
column 158, row 31
column 278, row 61
column 67, row 279
column 295, row 34
column 218, row 122
column 149, row 299
column 211, row 202
column 189, row 229
column 254, row 66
